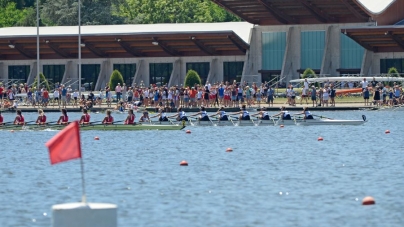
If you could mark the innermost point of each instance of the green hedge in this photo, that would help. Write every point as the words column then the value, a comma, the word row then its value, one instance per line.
column 192, row 78
column 116, row 77
column 42, row 79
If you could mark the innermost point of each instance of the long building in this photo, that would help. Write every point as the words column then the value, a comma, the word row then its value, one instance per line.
column 278, row 41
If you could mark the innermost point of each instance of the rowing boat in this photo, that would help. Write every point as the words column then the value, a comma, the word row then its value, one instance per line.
column 101, row 127
column 271, row 122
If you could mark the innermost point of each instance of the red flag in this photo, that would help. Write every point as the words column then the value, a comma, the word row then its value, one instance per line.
column 65, row 145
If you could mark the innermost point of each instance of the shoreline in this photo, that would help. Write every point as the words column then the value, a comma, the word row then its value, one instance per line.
column 274, row 108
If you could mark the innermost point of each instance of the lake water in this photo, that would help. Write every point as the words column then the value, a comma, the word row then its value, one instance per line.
column 274, row 177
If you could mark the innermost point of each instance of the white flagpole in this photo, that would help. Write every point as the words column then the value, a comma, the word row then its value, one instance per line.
column 79, row 48
column 37, row 46
column 83, row 197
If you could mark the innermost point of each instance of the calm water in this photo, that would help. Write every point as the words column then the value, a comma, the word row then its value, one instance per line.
column 274, row 176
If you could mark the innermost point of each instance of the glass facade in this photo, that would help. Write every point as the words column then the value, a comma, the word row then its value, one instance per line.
column 351, row 53
column 312, row 49
column 89, row 75
column 386, row 64
column 232, row 71
column 128, row 72
column 160, row 73
column 202, row 68
column 18, row 72
column 54, row 73
column 273, row 50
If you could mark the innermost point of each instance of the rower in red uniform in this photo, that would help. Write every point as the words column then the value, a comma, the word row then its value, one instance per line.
column 63, row 119
column 1, row 119
column 108, row 119
column 41, row 120
column 85, row 118
column 131, row 118
column 19, row 119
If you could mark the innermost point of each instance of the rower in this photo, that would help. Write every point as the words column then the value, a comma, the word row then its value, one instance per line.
column 181, row 115
column 145, row 117
column 222, row 114
column 244, row 115
column 63, row 119
column 121, row 107
column 19, row 119
column 41, row 120
column 162, row 115
column 1, row 120
column 85, row 118
column 263, row 115
column 285, row 115
column 306, row 113
column 108, row 119
column 130, row 119
column 203, row 115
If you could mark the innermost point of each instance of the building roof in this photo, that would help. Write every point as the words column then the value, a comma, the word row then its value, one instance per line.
column 120, row 41
column 278, row 12
column 378, row 38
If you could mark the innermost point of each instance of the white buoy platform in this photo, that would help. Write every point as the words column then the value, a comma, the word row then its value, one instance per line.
column 84, row 215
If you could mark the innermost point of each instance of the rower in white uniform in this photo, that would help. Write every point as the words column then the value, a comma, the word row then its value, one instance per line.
column 243, row 114
column 222, row 114
column 306, row 113
column 285, row 115
column 203, row 115
column 162, row 115
column 263, row 114
column 180, row 115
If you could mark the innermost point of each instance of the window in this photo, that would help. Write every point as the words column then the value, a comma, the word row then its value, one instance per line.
column 54, row 73
column 232, row 71
column 18, row 73
column 160, row 73
column 128, row 72
column 89, row 76
column 386, row 64
column 202, row 68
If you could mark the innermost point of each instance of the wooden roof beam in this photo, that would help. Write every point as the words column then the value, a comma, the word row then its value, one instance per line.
column 20, row 48
column 57, row 50
column 130, row 49
column 165, row 48
column 279, row 15
column 396, row 39
column 227, row 8
column 319, row 14
column 363, row 44
column 242, row 49
column 202, row 47
column 94, row 50
column 353, row 10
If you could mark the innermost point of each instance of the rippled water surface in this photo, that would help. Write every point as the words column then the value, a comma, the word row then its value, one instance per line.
column 274, row 177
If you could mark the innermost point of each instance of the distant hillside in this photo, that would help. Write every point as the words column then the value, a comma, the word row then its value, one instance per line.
column 106, row 12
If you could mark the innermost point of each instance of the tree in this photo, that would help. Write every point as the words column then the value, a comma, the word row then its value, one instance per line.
column 43, row 82
column 192, row 78
column 116, row 78
column 309, row 73
column 393, row 72
column 10, row 15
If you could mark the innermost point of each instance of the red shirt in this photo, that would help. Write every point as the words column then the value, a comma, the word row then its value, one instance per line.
column 109, row 119
column 86, row 118
column 46, row 94
column 20, row 119
column 130, row 120
column 1, row 119
column 42, row 119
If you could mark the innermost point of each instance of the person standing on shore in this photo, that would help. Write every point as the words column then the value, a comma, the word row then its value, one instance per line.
column 365, row 94
column 270, row 93
column 64, row 96
column 118, row 90
column 314, row 95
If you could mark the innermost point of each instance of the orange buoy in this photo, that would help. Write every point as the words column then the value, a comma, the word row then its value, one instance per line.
column 281, row 126
column 184, row 163
column 96, row 138
column 387, row 131
column 320, row 138
column 368, row 200
column 229, row 149
column 188, row 131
